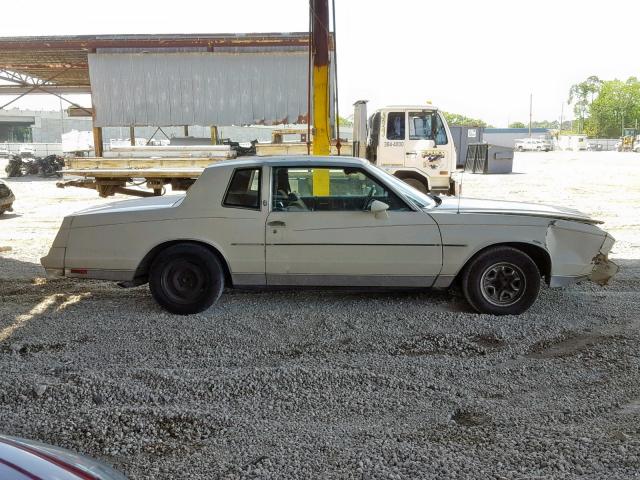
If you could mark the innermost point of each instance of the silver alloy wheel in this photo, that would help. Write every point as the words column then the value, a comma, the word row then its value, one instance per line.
column 503, row 284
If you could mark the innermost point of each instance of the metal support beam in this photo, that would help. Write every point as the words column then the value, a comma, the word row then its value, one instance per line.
column 186, row 130
column 36, row 86
column 320, row 33
column 50, row 89
column 132, row 135
column 97, row 136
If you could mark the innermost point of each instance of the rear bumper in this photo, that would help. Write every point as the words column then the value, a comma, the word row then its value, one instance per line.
column 53, row 262
column 54, row 272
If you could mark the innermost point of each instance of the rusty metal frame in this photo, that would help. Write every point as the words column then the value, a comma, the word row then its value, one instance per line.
column 38, row 84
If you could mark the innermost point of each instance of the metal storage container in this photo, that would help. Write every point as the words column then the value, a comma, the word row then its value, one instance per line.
column 485, row 158
column 462, row 136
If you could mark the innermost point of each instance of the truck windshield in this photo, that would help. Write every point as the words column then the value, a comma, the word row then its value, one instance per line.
column 418, row 198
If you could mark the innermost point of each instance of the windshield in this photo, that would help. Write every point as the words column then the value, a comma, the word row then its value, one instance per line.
column 418, row 198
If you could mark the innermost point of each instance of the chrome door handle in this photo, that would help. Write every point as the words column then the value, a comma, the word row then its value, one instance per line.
column 276, row 223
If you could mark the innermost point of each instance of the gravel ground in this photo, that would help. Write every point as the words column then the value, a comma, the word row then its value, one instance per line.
column 333, row 384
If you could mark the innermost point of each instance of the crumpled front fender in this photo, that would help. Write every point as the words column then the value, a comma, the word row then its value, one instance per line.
column 579, row 252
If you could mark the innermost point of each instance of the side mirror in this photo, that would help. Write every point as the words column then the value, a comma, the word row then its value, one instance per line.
column 379, row 209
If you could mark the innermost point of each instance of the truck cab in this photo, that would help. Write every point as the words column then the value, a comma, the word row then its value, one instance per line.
column 412, row 142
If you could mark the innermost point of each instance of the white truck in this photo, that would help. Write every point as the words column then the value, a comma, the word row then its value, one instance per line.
column 412, row 142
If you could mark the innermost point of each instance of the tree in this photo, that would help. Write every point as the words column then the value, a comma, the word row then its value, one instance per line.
column 463, row 121
column 345, row 122
column 517, row 125
column 616, row 106
column 582, row 95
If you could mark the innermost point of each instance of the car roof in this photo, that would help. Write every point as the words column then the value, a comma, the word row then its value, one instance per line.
column 293, row 160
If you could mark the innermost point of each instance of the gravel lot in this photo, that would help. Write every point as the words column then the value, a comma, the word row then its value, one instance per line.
column 329, row 384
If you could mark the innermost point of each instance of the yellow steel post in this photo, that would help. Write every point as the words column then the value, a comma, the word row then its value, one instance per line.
column 321, row 135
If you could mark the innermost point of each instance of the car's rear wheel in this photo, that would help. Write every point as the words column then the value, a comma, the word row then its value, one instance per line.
column 501, row 281
column 186, row 278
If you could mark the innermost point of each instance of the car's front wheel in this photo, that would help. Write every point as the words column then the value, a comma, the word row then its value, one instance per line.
column 501, row 281
column 186, row 278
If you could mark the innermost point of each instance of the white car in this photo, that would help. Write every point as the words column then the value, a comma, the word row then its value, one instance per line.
column 533, row 145
column 330, row 221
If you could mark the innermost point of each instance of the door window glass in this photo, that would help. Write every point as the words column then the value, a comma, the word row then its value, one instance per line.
column 441, row 132
column 244, row 189
column 297, row 189
column 395, row 126
column 420, row 126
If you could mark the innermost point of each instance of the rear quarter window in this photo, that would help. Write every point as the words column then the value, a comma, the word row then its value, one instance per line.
column 244, row 189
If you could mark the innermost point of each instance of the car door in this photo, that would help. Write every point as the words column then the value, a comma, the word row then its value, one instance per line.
column 320, row 231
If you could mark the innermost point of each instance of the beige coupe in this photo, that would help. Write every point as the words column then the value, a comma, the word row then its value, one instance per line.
column 334, row 221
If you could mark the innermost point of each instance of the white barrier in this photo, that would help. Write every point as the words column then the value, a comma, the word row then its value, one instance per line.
column 40, row 149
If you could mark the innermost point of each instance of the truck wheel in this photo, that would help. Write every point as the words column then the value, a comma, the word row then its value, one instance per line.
column 501, row 281
column 186, row 279
column 417, row 184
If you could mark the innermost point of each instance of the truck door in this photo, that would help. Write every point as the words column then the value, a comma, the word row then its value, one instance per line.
column 391, row 149
column 420, row 148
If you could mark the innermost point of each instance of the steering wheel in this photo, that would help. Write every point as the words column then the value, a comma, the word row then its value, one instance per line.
column 296, row 202
column 367, row 200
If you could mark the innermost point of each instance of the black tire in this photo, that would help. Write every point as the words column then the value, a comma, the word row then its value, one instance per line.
column 501, row 281
column 417, row 184
column 186, row 278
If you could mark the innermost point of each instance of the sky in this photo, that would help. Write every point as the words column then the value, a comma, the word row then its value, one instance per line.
column 478, row 58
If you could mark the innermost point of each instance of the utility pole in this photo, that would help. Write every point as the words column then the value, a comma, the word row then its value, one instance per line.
column 530, row 112
column 561, row 116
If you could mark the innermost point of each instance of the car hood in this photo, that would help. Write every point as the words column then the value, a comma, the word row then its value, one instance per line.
column 499, row 207
column 137, row 205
